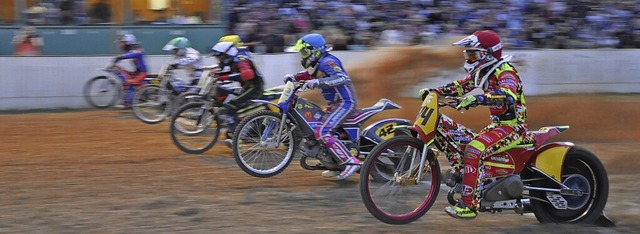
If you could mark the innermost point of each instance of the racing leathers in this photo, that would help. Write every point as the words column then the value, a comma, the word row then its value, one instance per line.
column 192, row 62
column 245, row 72
column 338, row 91
column 503, row 93
column 134, row 79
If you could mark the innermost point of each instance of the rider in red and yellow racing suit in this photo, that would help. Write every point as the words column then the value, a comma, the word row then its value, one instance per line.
column 503, row 93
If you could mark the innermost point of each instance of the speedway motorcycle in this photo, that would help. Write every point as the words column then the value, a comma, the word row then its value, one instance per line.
column 154, row 102
column 558, row 181
column 265, row 143
column 104, row 91
column 196, row 125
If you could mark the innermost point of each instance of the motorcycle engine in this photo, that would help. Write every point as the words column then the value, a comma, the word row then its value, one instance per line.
column 453, row 179
column 312, row 149
column 506, row 188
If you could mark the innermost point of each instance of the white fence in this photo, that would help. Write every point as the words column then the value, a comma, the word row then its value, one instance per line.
column 57, row 82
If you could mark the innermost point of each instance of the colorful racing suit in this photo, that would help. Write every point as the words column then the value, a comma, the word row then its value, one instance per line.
column 134, row 79
column 505, row 97
column 244, row 71
column 340, row 94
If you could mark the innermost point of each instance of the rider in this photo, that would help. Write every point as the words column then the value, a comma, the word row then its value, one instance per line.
column 237, row 42
column 325, row 71
column 503, row 93
column 132, row 50
column 187, row 58
column 236, row 67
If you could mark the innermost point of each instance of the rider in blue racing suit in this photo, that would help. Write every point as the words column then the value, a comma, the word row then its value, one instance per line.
column 325, row 71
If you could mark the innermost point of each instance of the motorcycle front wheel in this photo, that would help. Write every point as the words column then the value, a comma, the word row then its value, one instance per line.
column 194, row 129
column 102, row 92
column 393, row 187
column 260, row 148
column 151, row 104
column 184, row 98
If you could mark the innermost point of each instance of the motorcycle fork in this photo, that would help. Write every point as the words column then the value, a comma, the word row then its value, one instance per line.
column 271, row 126
column 413, row 172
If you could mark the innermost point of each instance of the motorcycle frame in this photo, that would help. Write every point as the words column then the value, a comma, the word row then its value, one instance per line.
column 545, row 160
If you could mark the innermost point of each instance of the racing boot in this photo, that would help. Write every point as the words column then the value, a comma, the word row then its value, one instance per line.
column 461, row 211
column 341, row 153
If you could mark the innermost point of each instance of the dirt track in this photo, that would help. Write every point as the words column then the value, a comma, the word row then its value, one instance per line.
column 106, row 172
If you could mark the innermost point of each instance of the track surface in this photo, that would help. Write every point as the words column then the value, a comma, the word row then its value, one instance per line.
column 106, row 172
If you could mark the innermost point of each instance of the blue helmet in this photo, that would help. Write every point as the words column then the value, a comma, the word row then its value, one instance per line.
column 311, row 46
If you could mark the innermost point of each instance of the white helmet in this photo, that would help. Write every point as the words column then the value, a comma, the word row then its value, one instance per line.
column 225, row 52
column 128, row 38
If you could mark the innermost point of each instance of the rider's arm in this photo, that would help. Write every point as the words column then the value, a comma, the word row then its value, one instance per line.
column 335, row 75
column 506, row 92
column 189, row 58
column 457, row 88
column 129, row 55
column 245, row 73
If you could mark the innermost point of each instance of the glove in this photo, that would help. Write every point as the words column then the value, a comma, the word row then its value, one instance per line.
column 422, row 94
column 311, row 84
column 289, row 77
column 466, row 102
column 173, row 66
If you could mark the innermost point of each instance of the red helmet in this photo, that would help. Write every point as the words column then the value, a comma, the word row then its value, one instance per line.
column 482, row 48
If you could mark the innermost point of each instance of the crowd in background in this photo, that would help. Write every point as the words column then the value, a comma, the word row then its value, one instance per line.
column 270, row 26
column 354, row 24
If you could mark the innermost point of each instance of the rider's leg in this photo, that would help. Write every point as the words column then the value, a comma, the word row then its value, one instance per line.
column 334, row 145
column 489, row 141
column 232, row 108
column 132, row 84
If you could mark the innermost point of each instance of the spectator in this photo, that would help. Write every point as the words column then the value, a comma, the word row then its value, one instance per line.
column 28, row 42
column 273, row 40
column 66, row 11
column 101, row 12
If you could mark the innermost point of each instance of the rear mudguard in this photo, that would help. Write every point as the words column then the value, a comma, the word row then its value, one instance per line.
column 383, row 129
column 550, row 157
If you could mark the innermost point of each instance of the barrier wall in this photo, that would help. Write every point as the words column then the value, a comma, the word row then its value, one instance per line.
column 99, row 40
column 57, row 82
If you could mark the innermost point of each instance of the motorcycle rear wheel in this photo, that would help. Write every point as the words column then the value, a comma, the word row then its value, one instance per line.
column 581, row 169
column 193, row 129
column 398, row 198
column 256, row 147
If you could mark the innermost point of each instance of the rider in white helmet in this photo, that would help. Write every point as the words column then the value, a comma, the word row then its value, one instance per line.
column 133, row 51
column 236, row 67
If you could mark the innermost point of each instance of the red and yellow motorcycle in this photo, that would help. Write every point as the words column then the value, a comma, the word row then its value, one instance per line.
column 559, row 182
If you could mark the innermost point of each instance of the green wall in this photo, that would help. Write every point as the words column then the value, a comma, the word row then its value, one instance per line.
column 99, row 40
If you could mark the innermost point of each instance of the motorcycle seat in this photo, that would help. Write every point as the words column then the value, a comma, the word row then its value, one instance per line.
column 359, row 115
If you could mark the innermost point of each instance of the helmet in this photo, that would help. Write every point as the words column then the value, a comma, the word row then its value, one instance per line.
column 237, row 42
column 224, row 52
column 128, row 38
column 311, row 46
column 178, row 45
column 482, row 48
column 127, row 41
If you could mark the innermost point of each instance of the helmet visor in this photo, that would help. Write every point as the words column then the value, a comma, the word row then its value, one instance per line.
column 473, row 55
column 303, row 48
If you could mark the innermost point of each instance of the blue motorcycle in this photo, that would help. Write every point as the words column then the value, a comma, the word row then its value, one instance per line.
column 265, row 142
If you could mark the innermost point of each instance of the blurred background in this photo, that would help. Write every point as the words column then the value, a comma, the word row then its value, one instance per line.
column 268, row 26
